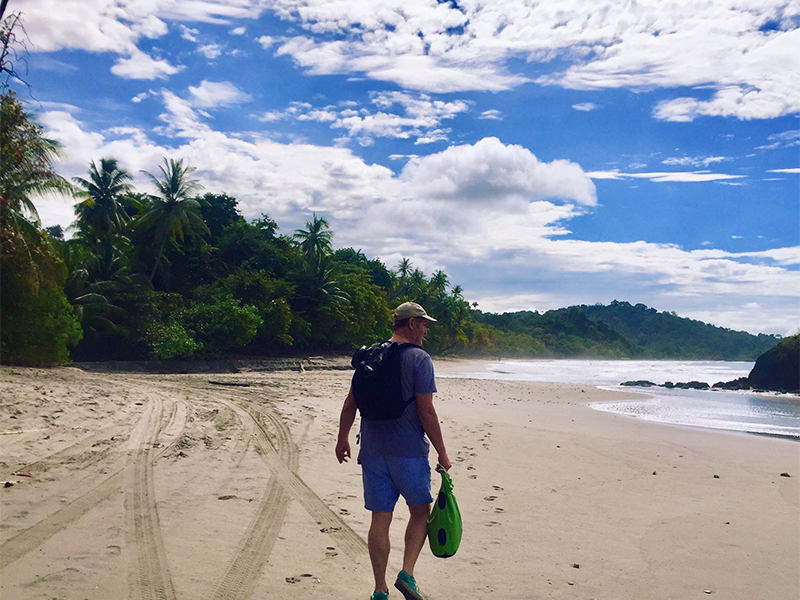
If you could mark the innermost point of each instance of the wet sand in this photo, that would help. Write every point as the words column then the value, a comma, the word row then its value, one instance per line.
column 129, row 485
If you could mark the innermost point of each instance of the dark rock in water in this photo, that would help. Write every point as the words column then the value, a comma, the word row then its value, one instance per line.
column 692, row 385
column 743, row 383
column 669, row 385
column 778, row 369
column 639, row 383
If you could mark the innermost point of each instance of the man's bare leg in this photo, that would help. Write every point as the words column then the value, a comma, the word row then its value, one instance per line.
column 379, row 547
column 416, row 534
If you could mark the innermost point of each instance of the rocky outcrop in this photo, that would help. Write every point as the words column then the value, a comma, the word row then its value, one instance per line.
column 778, row 369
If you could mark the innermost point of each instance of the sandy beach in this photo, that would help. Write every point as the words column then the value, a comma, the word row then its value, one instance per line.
column 130, row 485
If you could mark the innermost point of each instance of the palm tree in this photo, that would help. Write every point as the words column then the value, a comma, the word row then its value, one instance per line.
column 27, row 158
column 439, row 283
column 404, row 275
column 172, row 213
column 102, row 212
column 315, row 240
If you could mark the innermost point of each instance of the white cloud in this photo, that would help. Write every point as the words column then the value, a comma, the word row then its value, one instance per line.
column 191, row 35
column 211, row 94
column 266, row 41
column 490, row 172
column 585, row 106
column 449, row 47
column 238, row 31
column 142, row 66
column 752, row 70
column 144, row 95
column 792, row 170
column 401, row 115
column 786, row 139
column 665, row 176
column 210, row 51
column 492, row 114
column 693, row 161
column 743, row 101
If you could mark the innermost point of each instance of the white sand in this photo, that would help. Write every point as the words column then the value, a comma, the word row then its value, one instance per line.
column 156, row 486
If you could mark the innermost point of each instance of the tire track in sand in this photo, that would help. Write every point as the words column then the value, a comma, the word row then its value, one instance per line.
column 152, row 579
column 36, row 535
column 329, row 522
column 254, row 548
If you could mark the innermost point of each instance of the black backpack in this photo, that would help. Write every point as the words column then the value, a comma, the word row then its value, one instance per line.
column 377, row 381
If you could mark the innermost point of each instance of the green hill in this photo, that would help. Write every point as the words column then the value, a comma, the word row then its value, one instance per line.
column 666, row 335
column 619, row 330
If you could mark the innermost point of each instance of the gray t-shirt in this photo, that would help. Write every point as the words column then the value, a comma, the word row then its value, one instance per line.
column 403, row 436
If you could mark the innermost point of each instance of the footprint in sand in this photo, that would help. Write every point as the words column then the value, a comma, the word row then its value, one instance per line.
column 490, row 498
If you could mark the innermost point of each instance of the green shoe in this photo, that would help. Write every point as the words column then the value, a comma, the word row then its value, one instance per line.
column 407, row 586
column 379, row 596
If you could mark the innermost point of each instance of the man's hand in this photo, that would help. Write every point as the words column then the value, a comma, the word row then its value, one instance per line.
column 345, row 424
column 343, row 451
column 443, row 463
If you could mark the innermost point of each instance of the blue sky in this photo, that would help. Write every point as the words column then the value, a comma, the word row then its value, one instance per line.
column 546, row 155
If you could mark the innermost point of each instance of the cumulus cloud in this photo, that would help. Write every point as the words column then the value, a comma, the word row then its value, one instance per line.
column 492, row 172
column 210, row 51
column 585, row 106
column 142, row 66
column 266, row 41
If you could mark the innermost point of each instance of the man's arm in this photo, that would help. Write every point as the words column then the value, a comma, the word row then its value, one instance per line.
column 430, row 423
column 346, row 420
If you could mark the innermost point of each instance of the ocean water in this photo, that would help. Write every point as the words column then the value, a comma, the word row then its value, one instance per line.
column 770, row 414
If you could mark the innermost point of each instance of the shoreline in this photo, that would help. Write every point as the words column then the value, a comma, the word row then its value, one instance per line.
column 233, row 471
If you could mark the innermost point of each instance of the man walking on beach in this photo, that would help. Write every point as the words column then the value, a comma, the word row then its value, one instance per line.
column 394, row 455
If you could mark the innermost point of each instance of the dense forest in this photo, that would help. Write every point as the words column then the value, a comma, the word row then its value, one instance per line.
column 621, row 330
column 180, row 274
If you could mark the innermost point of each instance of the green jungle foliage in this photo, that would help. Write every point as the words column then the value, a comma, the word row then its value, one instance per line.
column 179, row 275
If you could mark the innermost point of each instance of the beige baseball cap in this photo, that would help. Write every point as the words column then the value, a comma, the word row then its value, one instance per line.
column 407, row 310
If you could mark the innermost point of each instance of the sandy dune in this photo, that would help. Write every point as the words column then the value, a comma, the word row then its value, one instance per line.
column 170, row 486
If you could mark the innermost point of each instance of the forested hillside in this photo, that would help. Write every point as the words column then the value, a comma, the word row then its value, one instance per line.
column 666, row 335
column 620, row 330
